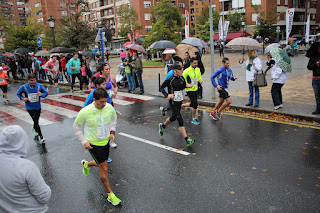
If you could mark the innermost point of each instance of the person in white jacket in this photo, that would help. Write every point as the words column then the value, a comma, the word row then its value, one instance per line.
column 252, row 65
column 278, row 77
column 22, row 188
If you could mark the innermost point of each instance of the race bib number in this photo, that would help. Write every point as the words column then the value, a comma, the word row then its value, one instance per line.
column 103, row 130
column 109, row 93
column 195, row 82
column 178, row 96
column 33, row 97
column 1, row 80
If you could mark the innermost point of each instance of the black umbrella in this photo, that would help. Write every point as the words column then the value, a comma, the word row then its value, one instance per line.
column 59, row 50
column 22, row 50
column 163, row 44
column 88, row 53
column 139, row 41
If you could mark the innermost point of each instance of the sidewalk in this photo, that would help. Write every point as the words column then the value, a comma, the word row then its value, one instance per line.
column 298, row 95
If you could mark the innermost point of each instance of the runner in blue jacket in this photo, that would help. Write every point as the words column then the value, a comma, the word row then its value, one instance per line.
column 224, row 74
column 31, row 93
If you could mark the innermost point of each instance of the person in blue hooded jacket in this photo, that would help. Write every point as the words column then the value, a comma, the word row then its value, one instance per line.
column 224, row 74
column 31, row 93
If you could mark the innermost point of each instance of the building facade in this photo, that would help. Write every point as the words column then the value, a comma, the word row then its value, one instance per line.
column 195, row 10
column 14, row 10
column 247, row 8
column 41, row 10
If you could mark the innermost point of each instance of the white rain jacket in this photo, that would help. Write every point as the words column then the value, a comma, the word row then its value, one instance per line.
column 22, row 188
column 253, row 70
column 279, row 76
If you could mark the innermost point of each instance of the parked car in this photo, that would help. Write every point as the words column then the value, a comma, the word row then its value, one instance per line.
column 115, row 51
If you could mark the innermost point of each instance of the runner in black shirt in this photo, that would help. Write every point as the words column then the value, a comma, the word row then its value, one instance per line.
column 176, row 84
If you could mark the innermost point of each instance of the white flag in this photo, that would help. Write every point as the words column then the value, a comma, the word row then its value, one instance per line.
column 186, row 27
column 289, row 21
column 308, row 29
column 226, row 27
column 221, row 37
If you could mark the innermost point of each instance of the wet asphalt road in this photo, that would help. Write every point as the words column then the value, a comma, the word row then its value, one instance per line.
column 237, row 164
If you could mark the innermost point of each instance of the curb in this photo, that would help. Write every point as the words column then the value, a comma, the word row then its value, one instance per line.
column 153, row 67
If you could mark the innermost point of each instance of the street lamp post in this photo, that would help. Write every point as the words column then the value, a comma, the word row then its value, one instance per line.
column 243, row 23
column 278, row 31
column 52, row 25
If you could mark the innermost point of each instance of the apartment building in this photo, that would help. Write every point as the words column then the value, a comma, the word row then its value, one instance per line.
column 106, row 11
column 302, row 8
column 41, row 10
column 15, row 12
column 195, row 10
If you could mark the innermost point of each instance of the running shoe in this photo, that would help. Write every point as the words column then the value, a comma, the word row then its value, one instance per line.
column 161, row 129
column 109, row 160
column 42, row 140
column 86, row 168
column 190, row 141
column 37, row 138
column 113, row 199
column 48, row 90
column 7, row 101
column 219, row 114
column 213, row 115
column 195, row 121
column 162, row 110
column 113, row 144
column 58, row 96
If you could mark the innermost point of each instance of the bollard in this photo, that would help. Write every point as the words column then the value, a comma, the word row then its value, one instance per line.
column 159, row 81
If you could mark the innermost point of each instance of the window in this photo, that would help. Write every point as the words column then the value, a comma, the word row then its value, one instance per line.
column 147, row 4
column 197, row 10
column 39, row 13
column 236, row 4
column 40, row 20
column 64, row 13
column 73, row 12
column 4, row 9
column 20, row 3
column 286, row 2
column 72, row 5
column 147, row 16
column 182, row 5
column 63, row 5
column 254, row 17
column 278, row 2
column 148, row 28
column 256, row 2
column 21, row 15
column 21, row 9
column 37, row 4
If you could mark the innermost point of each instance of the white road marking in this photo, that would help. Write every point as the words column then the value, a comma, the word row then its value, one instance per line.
column 23, row 115
column 67, row 100
column 59, row 110
column 130, row 95
column 155, row 144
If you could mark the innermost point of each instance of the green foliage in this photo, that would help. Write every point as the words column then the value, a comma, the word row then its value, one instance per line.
column 235, row 21
column 75, row 33
column 166, row 18
column 47, row 39
column 129, row 18
column 204, row 26
column 21, row 36
column 266, row 27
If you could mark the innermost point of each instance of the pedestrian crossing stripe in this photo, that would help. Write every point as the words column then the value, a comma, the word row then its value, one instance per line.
column 55, row 109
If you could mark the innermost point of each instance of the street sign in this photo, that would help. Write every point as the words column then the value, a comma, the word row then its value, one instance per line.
column 98, row 39
column 39, row 42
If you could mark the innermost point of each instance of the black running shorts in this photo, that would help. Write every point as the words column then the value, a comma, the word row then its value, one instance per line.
column 100, row 153
column 4, row 88
column 223, row 94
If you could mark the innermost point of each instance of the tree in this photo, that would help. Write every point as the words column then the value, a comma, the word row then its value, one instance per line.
column 166, row 19
column 204, row 23
column 266, row 27
column 128, row 17
column 76, row 33
column 20, row 35
column 47, row 39
column 235, row 21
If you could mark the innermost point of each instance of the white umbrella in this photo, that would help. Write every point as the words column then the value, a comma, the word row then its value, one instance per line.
column 169, row 51
column 137, row 47
column 194, row 42
column 244, row 43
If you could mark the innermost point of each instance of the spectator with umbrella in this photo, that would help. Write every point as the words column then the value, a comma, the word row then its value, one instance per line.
column 314, row 64
column 252, row 65
column 278, row 77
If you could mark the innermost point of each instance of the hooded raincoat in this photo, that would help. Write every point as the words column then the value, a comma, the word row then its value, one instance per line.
column 22, row 188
